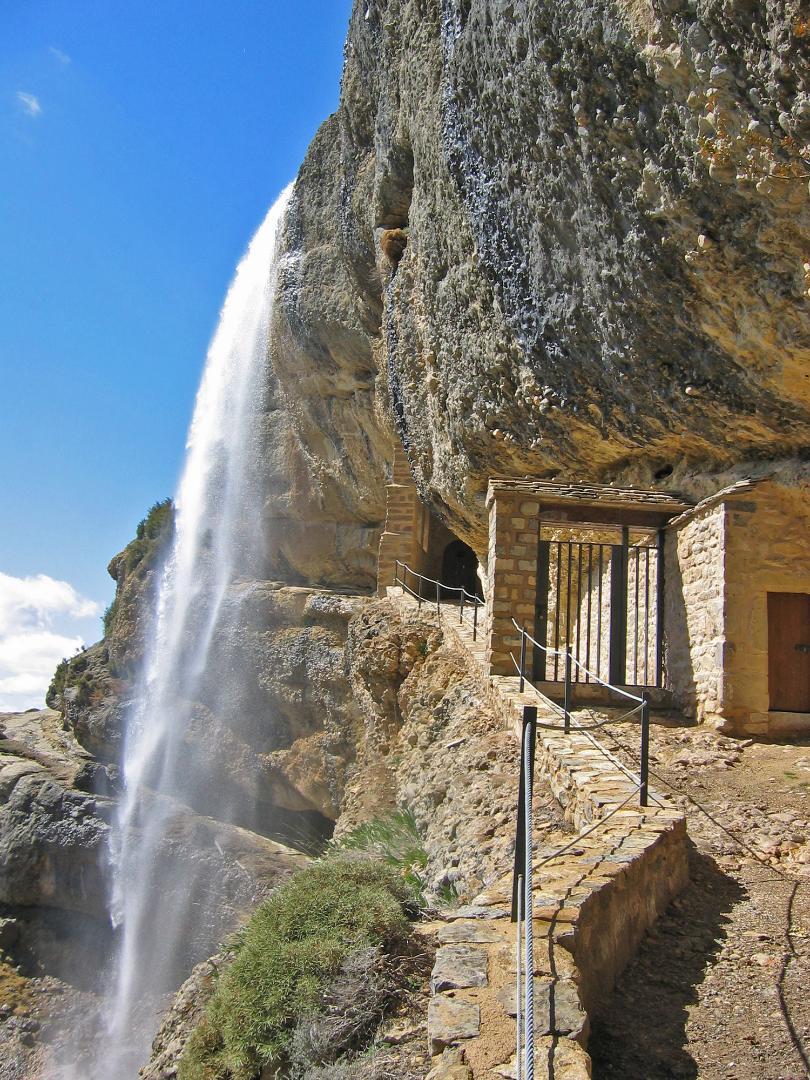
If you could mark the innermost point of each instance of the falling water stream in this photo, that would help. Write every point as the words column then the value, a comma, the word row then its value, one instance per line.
column 164, row 916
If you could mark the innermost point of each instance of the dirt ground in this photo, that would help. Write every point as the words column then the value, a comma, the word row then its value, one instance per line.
column 720, row 990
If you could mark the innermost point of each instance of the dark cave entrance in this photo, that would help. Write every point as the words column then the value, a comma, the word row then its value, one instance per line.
column 460, row 568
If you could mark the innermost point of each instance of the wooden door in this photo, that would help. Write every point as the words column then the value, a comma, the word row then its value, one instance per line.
column 789, row 652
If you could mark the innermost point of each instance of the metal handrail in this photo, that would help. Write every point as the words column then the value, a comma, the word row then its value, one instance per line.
column 564, row 652
column 432, row 581
column 643, row 706
column 522, row 894
column 464, row 595
column 522, row 901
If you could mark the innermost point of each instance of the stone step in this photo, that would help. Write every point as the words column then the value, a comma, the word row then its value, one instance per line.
column 457, row 967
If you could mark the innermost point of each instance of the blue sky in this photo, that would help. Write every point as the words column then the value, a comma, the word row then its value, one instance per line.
column 140, row 146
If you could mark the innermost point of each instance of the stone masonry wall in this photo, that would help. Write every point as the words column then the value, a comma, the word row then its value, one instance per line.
column 767, row 550
column 514, row 522
column 404, row 517
column 695, row 602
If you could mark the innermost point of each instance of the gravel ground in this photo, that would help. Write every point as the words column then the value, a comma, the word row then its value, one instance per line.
column 720, row 989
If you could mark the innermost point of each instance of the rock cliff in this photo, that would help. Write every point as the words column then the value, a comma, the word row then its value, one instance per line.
column 549, row 238
column 562, row 239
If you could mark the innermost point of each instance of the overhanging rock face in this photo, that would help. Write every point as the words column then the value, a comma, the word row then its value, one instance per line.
column 599, row 217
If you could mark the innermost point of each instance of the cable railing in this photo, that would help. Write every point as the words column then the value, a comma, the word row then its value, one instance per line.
column 642, row 706
column 414, row 583
column 522, row 898
column 438, row 590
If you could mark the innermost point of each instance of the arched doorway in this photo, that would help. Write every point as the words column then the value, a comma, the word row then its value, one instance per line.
column 460, row 567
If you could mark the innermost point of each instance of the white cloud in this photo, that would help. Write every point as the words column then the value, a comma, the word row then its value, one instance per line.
column 29, row 103
column 59, row 55
column 30, row 645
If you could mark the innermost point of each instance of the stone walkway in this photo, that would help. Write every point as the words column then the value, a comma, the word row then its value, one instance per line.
column 593, row 903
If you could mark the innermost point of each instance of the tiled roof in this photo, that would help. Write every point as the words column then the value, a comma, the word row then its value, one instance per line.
column 549, row 492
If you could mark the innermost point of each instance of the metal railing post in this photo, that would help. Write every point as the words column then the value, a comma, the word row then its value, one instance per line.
column 461, row 609
column 644, row 771
column 438, row 599
column 519, row 981
column 567, row 699
column 419, row 603
column 475, row 619
column 396, row 572
column 522, row 658
column 529, row 722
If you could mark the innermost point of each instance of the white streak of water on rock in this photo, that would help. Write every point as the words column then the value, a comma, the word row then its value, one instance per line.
column 164, row 910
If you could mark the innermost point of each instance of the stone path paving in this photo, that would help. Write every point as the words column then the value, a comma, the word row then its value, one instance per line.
column 592, row 905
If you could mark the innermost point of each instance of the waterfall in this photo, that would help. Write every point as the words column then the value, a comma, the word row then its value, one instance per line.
column 164, row 916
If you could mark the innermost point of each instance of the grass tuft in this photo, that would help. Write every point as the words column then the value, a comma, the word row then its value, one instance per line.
column 287, row 960
column 393, row 838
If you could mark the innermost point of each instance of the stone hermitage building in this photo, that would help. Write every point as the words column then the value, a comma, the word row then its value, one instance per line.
column 707, row 605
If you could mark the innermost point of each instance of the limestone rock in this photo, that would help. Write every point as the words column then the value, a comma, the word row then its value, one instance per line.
column 186, row 1010
column 458, row 966
column 558, row 1010
column 463, row 931
column 450, row 1020
column 590, row 199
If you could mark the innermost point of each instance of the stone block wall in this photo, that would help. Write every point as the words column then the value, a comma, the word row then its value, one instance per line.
column 405, row 524
column 721, row 564
column 514, row 522
column 412, row 535
column 767, row 550
column 694, row 581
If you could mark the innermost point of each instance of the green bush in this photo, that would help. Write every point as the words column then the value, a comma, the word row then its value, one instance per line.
column 395, row 839
column 108, row 618
column 159, row 519
column 57, row 686
column 288, row 956
column 151, row 536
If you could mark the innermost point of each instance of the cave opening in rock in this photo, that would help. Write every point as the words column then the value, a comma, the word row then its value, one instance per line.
column 460, row 569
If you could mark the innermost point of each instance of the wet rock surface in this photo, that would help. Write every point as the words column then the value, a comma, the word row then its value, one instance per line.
column 55, row 930
column 52, row 836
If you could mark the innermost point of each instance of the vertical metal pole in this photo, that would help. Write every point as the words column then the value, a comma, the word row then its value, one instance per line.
column 599, row 615
column 461, row 609
column 438, row 599
column 519, row 982
column 635, row 625
column 419, row 605
column 396, row 572
column 475, row 619
column 617, row 661
column 659, row 612
column 567, row 699
column 644, row 772
column 530, row 719
column 541, row 611
column 646, row 616
column 590, row 604
column 568, row 600
column 522, row 659
column 579, row 602
column 557, row 610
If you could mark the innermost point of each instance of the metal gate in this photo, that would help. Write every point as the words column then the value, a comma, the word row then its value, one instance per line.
column 602, row 600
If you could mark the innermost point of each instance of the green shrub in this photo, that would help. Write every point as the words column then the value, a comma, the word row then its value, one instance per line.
column 108, row 618
column 287, row 957
column 151, row 536
column 159, row 519
column 395, row 839
column 53, row 697
column 84, row 689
